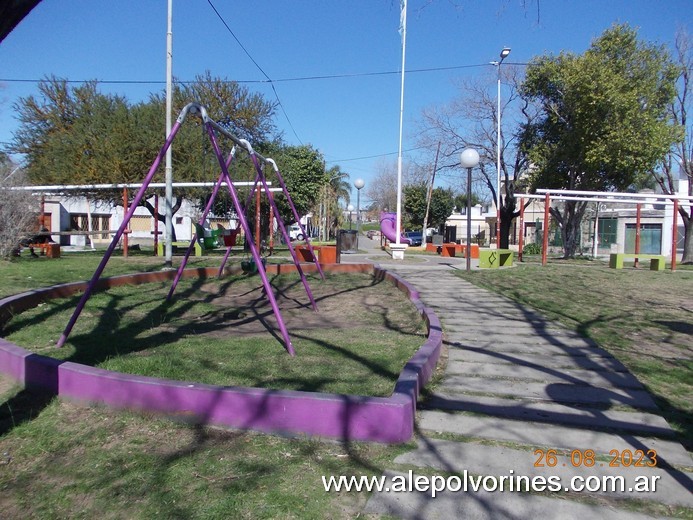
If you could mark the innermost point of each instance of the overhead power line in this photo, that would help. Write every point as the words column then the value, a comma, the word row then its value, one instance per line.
column 268, row 79
column 280, row 80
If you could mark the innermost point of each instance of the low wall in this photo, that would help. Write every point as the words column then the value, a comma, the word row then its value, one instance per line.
column 345, row 417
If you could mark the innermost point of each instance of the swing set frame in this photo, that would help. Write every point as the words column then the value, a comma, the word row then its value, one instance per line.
column 213, row 129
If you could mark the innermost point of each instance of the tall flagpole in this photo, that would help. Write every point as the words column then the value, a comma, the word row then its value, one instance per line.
column 169, row 168
column 398, row 252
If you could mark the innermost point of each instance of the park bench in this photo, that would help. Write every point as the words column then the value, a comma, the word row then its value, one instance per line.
column 182, row 244
column 657, row 262
column 494, row 258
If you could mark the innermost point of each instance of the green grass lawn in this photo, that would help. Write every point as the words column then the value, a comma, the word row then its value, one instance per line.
column 223, row 332
column 62, row 460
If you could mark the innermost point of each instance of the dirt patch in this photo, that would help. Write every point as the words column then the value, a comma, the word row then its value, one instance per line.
column 245, row 310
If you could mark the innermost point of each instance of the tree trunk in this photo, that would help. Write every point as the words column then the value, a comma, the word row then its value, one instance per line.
column 570, row 220
column 507, row 216
column 162, row 218
column 687, row 257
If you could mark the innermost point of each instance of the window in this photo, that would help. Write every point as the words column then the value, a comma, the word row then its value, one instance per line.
column 606, row 231
column 80, row 222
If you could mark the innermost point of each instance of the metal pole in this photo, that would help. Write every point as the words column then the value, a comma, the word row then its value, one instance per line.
column 358, row 217
column 398, row 223
column 498, row 163
column 545, row 240
column 156, row 225
column 258, row 200
column 522, row 229
column 168, row 204
column 674, row 234
column 125, row 233
column 468, row 249
column 595, row 248
column 637, row 233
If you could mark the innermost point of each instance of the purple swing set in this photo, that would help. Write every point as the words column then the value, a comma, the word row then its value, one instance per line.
column 212, row 128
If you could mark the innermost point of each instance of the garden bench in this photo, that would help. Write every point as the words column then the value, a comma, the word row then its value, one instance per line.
column 185, row 244
column 657, row 262
column 494, row 258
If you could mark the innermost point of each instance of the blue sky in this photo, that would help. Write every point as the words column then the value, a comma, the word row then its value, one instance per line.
column 352, row 119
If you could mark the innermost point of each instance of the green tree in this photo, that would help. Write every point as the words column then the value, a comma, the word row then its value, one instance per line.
column 442, row 203
column 76, row 135
column 302, row 168
column 602, row 125
column 461, row 200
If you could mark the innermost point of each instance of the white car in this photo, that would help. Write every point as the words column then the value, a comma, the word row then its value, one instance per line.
column 295, row 232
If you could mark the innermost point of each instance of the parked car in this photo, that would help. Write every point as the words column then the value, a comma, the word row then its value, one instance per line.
column 295, row 232
column 415, row 237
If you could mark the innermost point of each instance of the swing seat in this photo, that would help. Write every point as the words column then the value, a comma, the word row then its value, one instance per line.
column 229, row 237
column 250, row 267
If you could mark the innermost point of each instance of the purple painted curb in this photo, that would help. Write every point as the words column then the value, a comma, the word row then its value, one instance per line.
column 345, row 417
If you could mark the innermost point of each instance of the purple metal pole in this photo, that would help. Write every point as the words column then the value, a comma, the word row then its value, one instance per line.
column 126, row 219
column 194, row 238
column 296, row 216
column 247, row 203
column 253, row 249
column 285, row 234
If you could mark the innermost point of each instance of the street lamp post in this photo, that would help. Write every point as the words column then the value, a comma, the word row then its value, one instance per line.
column 504, row 54
column 358, row 184
column 469, row 158
column 350, row 208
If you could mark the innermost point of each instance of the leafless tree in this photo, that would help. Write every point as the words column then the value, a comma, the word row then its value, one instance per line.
column 18, row 209
column 471, row 120
column 382, row 189
column 679, row 163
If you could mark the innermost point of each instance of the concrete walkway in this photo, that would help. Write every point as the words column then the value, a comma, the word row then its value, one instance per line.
column 516, row 386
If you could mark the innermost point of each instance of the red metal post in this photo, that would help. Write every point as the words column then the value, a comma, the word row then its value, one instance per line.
column 498, row 220
column 271, row 230
column 545, row 244
column 125, row 233
column 637, row 233
column 156, row 225
column 674, row 234
column 522, row 229
column 257, row 218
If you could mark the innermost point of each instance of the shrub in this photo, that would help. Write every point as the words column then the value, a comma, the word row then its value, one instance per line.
column 531, row 249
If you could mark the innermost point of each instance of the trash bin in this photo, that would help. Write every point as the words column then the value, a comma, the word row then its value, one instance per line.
column 346, row 241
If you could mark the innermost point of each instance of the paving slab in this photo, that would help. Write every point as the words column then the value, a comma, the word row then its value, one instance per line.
column 516, row 377
column 671, row 487
column 484, row 505
column 539, row 346
column 558, row 392
column 521, row 358
column 550, row 435
column 642, row 423
column 533, row 373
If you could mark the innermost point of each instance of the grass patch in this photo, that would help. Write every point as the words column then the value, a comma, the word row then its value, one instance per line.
column 223, row 332
column 60, row 460
column 644, row 318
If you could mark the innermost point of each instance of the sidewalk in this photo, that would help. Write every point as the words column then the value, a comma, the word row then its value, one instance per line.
column 516, row 386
